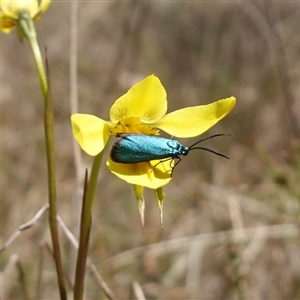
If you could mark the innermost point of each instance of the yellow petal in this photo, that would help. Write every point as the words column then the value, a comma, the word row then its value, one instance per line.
column 91, row 132
column 6, row 24
column 146, row 100
column 152, row 174
column 193, row 121
column 44, row 5
column 13, row 9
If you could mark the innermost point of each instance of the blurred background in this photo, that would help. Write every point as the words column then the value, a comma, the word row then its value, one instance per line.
column 230, row 226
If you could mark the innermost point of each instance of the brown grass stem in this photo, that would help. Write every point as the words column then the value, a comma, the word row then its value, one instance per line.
column 100, row 281
column 25, row 226
column 49, row 139
column 85, row 226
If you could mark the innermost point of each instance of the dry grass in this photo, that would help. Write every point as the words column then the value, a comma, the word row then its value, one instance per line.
column 230, row 227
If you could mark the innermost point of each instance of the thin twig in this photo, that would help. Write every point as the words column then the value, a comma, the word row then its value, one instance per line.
column 25, row 293
column 50, row 251
column 74, row 87
column 235, row 213
column 70, row 236
column 137, row 290
column 100, row 281
column 7, row 278
column 252, row 250
column 25, row 226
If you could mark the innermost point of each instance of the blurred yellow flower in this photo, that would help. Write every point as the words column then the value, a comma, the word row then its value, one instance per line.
column 11, row 11
column 143, row 110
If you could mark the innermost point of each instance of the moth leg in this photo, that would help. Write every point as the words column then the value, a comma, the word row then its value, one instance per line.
column 171, row 159
column 176, row 163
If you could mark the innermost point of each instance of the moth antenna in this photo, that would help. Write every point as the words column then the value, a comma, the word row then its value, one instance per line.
column 211, row 151
column 208, row 138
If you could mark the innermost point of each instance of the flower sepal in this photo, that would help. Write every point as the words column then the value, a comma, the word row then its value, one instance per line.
column 160, row 197
column 139, row 195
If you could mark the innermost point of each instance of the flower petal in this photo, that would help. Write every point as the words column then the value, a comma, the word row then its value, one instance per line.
column 91, row 132
column 146, row 100
column 42, row 8
column 10, row 11
column 13, row 9
column 152, row 174
column 44, row 5
column 193, row 121
column 6, row 24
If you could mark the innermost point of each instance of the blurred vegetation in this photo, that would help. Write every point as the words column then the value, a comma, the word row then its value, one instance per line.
column 230, row 227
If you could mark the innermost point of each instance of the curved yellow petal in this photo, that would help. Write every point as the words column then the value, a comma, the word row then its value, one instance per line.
column 6, row 24
column 193, row 121
column 146, row 100
column 44, row 5
column 152, row 174
column 91, row 132
column 42, row 8
column 11, row 10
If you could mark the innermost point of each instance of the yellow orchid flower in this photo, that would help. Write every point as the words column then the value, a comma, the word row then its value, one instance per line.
column 11, row 11
column 143, row 110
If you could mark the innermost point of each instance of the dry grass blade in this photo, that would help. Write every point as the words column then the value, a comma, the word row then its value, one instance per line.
column 182, row 244
column 25, row 226
column 235, row 212
column 252, row 250
column 7, row 276
column 66, row 276
column 137, row 291
column 22, row 280
column 250, row 205
column 90, row 265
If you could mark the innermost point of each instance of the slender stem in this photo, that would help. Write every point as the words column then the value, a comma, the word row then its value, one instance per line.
column 27, row 26
column 49, row 125
column 85, row 226
column 76, row 201
column 74, row 83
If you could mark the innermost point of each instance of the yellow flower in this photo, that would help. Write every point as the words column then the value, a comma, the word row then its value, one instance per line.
column 143, row 110
column 11, row 11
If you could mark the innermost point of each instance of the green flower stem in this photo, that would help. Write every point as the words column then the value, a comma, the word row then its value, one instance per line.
column 85, row 225
column 28, row 28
